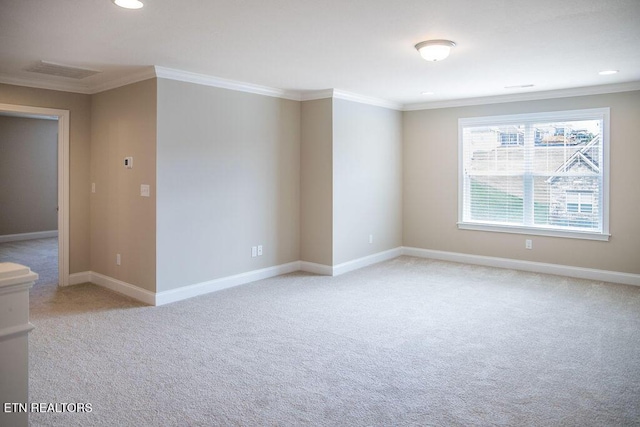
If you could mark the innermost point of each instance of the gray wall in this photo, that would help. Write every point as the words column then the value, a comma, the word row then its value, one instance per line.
column 123, row 125
column 316, row 182
column 431, row 192
column 79, row 107
column 367, row 180
column 29, row 175
column 228, row 177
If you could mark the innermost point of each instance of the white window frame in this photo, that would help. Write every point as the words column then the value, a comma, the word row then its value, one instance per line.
column 558, row 116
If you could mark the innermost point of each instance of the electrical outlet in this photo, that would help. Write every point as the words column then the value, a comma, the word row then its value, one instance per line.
column 370, row 238
column 254, row 251
column 528, row 244
column 259, row 250
column 118, row 259
column 93, row 187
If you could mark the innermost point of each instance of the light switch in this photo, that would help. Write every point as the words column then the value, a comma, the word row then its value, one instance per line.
column 144, row 190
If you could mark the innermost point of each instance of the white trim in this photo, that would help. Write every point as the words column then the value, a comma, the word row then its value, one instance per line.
column 529, row 228
column 205, row 80
column 75, row 87
column 303, row 95
column 63, row 179
column 529, row 96
column 18, row 284
column 138, row 76
column 316, row 94
column 179, row 294
column 78, row 278
column 558, row 116
column 49, row 85
column 536, row 267
column 314, row 268
column 532, row 231
column 14, row 331
column 190, row 291
column 63, row 196
column 377, row 102
column 123, row 288
column 355, row 264
column 28, row 236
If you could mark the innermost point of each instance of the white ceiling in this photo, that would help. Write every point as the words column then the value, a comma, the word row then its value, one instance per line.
column 364, row 47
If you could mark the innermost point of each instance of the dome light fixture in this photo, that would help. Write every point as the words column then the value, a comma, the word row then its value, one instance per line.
column 435, row 50
column 129, row 4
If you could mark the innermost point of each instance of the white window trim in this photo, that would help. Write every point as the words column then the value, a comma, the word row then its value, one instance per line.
column 587, row 114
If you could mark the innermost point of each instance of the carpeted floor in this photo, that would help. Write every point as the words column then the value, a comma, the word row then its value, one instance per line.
column 407, row 342
column 41, row 255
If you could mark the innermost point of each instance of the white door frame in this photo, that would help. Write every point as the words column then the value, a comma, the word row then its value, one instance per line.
column 63, row 177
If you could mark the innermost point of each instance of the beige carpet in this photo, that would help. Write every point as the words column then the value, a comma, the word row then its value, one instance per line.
column 39, row 254
column 408, row 342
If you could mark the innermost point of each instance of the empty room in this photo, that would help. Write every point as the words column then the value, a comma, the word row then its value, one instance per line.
column 337, row 213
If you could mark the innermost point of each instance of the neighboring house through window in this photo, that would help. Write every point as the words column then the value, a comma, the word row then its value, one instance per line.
column 540, row 173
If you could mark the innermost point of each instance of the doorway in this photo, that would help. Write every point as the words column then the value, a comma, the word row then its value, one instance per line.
column 62, row 117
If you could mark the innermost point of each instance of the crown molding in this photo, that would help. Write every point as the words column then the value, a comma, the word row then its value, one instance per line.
column 348, row 96
column 40, row 84
column 205, row 80
column 138, row 76
column 529, row 96
column 144, row 74
column 316, row 94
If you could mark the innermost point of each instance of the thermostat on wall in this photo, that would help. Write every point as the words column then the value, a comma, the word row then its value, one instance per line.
column 128, row 162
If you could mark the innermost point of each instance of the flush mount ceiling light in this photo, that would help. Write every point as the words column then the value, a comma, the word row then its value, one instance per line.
column 435, row 50
column 129, row 4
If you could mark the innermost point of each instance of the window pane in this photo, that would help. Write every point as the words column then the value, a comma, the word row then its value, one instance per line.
column 496, row 199
column 542, row 202
column 533, row 171
column 494, row 149
column 567, row 147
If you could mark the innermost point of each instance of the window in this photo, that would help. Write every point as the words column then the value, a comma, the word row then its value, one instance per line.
column 579, row 202
column 542, row 173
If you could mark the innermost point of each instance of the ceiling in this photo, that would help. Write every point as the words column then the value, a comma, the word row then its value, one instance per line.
column 363, row 47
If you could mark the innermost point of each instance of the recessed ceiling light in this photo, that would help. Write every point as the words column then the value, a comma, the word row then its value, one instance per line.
column 435, row 50
column 427, row 93
column 129, row 4
column 608, row 72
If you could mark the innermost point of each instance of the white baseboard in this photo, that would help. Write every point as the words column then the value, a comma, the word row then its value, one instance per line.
column 312, row 267
column 124, row 288
column 115, row 285
column 166, row 297
column 28, row 236
column 78, row 278
column 190, row 291
column 345, row 267
column 535, row 267
column 355, row 264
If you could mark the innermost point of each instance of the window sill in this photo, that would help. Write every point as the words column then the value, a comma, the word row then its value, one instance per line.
column 571, row 234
